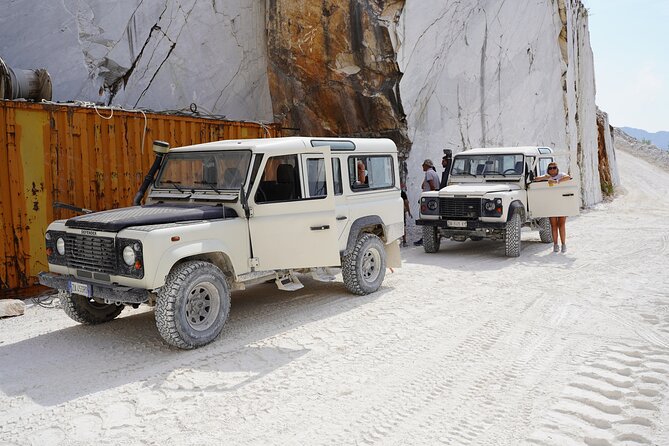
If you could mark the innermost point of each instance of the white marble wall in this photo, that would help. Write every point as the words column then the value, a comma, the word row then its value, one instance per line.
column 476, row 73
column 176, row 51
column 491, row 73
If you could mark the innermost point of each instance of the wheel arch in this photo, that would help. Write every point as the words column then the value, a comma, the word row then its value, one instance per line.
column 372, row 224
column 216, row 255
column 516, row 206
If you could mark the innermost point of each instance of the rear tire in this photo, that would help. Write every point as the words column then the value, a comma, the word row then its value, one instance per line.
column 364, row 268
column 431, row 239
column 193, row 305
column 512, row 236
column 545, row 232
column 89, row 311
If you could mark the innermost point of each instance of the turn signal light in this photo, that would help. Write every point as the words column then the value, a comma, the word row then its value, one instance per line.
column 138, row 265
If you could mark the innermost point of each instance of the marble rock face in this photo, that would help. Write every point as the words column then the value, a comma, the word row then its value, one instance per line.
column 333, row 69
column 495, row 73
column 161, row 55
column 429, row 74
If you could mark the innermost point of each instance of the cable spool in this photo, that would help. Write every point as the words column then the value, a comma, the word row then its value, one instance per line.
column 24, row 84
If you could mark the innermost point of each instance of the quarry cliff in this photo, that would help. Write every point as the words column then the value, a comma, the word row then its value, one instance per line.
column 430, row 74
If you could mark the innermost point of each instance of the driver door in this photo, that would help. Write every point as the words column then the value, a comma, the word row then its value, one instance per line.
column 298, row 230
column 544, row 200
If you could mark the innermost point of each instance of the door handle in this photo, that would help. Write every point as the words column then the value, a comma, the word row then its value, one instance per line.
column 320, row 228
column 567, row 195
column 342, row 217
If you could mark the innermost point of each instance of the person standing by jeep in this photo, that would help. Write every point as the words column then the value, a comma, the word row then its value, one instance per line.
column 558, row 224
column 446, row 161
column 430, row 182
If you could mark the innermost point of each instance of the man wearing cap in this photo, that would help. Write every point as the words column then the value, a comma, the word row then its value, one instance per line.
column 430, row 182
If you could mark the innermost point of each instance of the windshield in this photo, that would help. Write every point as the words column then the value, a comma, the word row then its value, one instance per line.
column 502, row 164
column 224, row 170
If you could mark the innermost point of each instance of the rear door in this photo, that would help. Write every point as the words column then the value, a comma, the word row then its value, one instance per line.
column 560, row 200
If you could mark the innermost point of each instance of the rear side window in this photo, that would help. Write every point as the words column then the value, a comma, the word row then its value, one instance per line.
column 336, row 174
column 370, row 172
column 316, row 177
column 543, row 165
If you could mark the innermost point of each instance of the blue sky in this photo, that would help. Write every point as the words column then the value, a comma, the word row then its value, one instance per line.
column 630, row 43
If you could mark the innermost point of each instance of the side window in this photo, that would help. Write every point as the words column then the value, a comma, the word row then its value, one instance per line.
column 370, row 172
column 316, row 177
column 543, row 164
column 280, row 180
column 336, row 174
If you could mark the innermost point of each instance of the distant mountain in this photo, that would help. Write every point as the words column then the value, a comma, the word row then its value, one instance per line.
column 660, row 139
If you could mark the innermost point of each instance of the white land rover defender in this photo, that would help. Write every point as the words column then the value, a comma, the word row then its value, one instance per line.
column 224, row 215
column 491, row 194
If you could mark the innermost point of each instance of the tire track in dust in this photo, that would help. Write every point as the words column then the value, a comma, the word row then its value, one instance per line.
column 613, row 399
column 380, row 421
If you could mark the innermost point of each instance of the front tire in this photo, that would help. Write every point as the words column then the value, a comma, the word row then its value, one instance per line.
column 512, row 236
column 88, row 311
column 364, row 268
column 431, row 239
column 545, row 232
column 193, row 305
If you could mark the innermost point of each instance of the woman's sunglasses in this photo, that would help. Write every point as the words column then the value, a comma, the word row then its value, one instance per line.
column 552, row 167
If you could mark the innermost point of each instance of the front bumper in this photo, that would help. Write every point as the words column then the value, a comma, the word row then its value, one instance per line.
column 108, row 293
column 474, row 228
column 472, row 225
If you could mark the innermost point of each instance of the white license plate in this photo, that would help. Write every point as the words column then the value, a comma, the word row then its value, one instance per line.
column 80, row 288
column 456, row 223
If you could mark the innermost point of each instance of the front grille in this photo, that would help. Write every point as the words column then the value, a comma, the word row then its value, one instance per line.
column 91, row 253
column 460, row 207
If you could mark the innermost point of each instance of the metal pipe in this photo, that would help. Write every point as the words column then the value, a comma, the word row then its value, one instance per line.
column 24, row 84
column 160, row 148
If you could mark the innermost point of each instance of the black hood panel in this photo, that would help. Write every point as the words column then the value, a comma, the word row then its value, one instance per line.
column 116, row 219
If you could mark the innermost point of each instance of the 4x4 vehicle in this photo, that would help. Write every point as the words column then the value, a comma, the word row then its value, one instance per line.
column 224, row 215
column 490, row 194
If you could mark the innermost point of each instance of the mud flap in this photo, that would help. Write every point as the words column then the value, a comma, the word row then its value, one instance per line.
column 393, row 258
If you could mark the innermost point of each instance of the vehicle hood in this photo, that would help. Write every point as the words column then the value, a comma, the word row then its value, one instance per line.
column 116, row 219
column 476, row 189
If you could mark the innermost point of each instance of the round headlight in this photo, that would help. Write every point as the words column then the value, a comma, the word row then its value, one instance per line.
column 432, row 205
column 129, row 255
column 60, row 246
column 47, row 236
column 489, row 206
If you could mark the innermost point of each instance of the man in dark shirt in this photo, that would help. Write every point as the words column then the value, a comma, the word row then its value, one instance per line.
column 446, row 164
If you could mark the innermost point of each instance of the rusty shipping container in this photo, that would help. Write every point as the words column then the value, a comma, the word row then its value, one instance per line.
column 94, row 158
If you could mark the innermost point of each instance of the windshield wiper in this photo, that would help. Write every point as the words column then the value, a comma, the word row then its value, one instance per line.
column 174, row 183
column 493, row 172
column 211, row 186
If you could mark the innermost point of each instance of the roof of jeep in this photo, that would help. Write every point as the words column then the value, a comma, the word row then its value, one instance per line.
column 525, row 150
column 279, row 144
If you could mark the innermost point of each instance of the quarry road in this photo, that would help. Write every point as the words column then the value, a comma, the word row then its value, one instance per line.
column 461, row 347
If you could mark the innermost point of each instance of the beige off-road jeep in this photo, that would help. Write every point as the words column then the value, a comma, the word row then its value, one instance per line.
column 225, row 215
column 491, row 194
